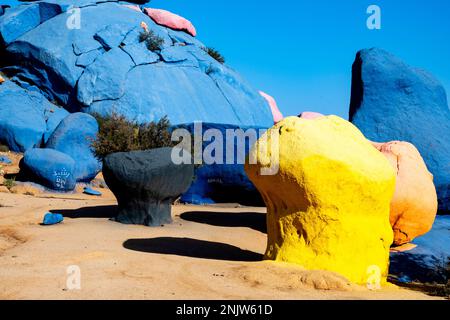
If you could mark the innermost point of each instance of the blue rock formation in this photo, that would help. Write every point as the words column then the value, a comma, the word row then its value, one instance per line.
column 227, row 181
column 393, row 101
column 50, row 168
column 52, row 218
column 26, row 117
column 5, row 160
column 429, row 260
column 74, row 136
column 102, row 67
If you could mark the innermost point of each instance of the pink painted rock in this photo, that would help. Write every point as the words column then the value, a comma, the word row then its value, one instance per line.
column 132, row 7
column 171, row 20
column 276, row 113
column 310, row 115
column 414, row 205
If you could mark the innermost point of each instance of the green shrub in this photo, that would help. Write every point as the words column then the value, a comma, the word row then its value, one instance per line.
column 117, row 134
column 10, row 183
column 152, row 41
column 215, row 55
column 3, row 148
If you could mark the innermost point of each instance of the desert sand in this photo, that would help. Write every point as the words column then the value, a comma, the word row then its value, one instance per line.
column 212, row 252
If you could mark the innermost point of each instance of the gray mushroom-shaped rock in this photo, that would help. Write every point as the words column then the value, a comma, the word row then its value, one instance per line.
column 145, row 184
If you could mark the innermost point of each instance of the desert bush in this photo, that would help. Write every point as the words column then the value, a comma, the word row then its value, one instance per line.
column 215, row 55
column 118, row 134
column 152, row 41
column 3, row 148
column 10, row 183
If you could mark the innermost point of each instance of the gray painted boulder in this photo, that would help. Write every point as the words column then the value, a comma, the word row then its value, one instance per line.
column 146, row 183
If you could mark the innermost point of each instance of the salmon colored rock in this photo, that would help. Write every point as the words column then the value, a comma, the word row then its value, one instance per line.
column 2, row 80
column 277, row 115
column 171, row 20
column 414, row 205
column 328, row 204
column 310, row 115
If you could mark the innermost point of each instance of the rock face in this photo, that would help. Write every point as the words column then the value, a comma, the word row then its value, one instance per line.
column 414, row 205
column 50, row 168
column 222, row 181
column 393, row 101
column 428, row 262
column 100, row 65
column 171, row 20
column 26, row 117
column 145, row 184
column 74, row 137
column 277, row 115
column 329, row 202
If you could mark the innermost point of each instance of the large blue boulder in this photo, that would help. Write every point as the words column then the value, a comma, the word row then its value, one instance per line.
column 50, row 168
column 394, row 101
column 102, row 67
column 225, row 180
column 74, row 136
column 25, row 117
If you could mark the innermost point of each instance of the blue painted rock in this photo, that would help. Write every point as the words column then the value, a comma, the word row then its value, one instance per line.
column 92, row 192
column 50, row 168
column 52, row 218
column 428, row 261
column 74, row 136
column 145, row 184
column 394, row 101
column 5, row 160
column 25, row 117
column 102, row 67
column 223, row 181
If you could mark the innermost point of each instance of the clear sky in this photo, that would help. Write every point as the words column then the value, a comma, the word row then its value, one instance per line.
column 301, row 51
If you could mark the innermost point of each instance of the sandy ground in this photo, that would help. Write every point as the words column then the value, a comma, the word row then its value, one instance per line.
column 207, row 253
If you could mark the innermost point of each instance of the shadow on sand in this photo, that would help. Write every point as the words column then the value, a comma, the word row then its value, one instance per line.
column 89, row 212
column 192, row 248
column 253, row 220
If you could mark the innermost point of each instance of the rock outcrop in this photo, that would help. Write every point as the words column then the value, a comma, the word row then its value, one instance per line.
column 414, row 205
column 329, row 201
column 393, row 101
column 74, row 137
column 101, row 66
column 225, row 180
column 145, row 184
column 26, row 117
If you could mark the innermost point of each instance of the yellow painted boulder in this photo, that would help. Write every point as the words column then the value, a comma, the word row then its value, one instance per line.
column 328, row 203
column 414, row 205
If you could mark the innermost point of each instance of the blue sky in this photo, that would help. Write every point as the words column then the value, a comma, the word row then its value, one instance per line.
column 301, row 52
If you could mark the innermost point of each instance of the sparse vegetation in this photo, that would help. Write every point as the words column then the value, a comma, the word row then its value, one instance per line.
column 152, row 41
column 117, row 134
column 10, row 183
column 3, row 148
column 215, row 54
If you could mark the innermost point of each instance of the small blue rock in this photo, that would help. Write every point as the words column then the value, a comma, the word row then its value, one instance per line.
column 92, row 192
column 50, row 168
column 52, row 218
column 5, row 160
